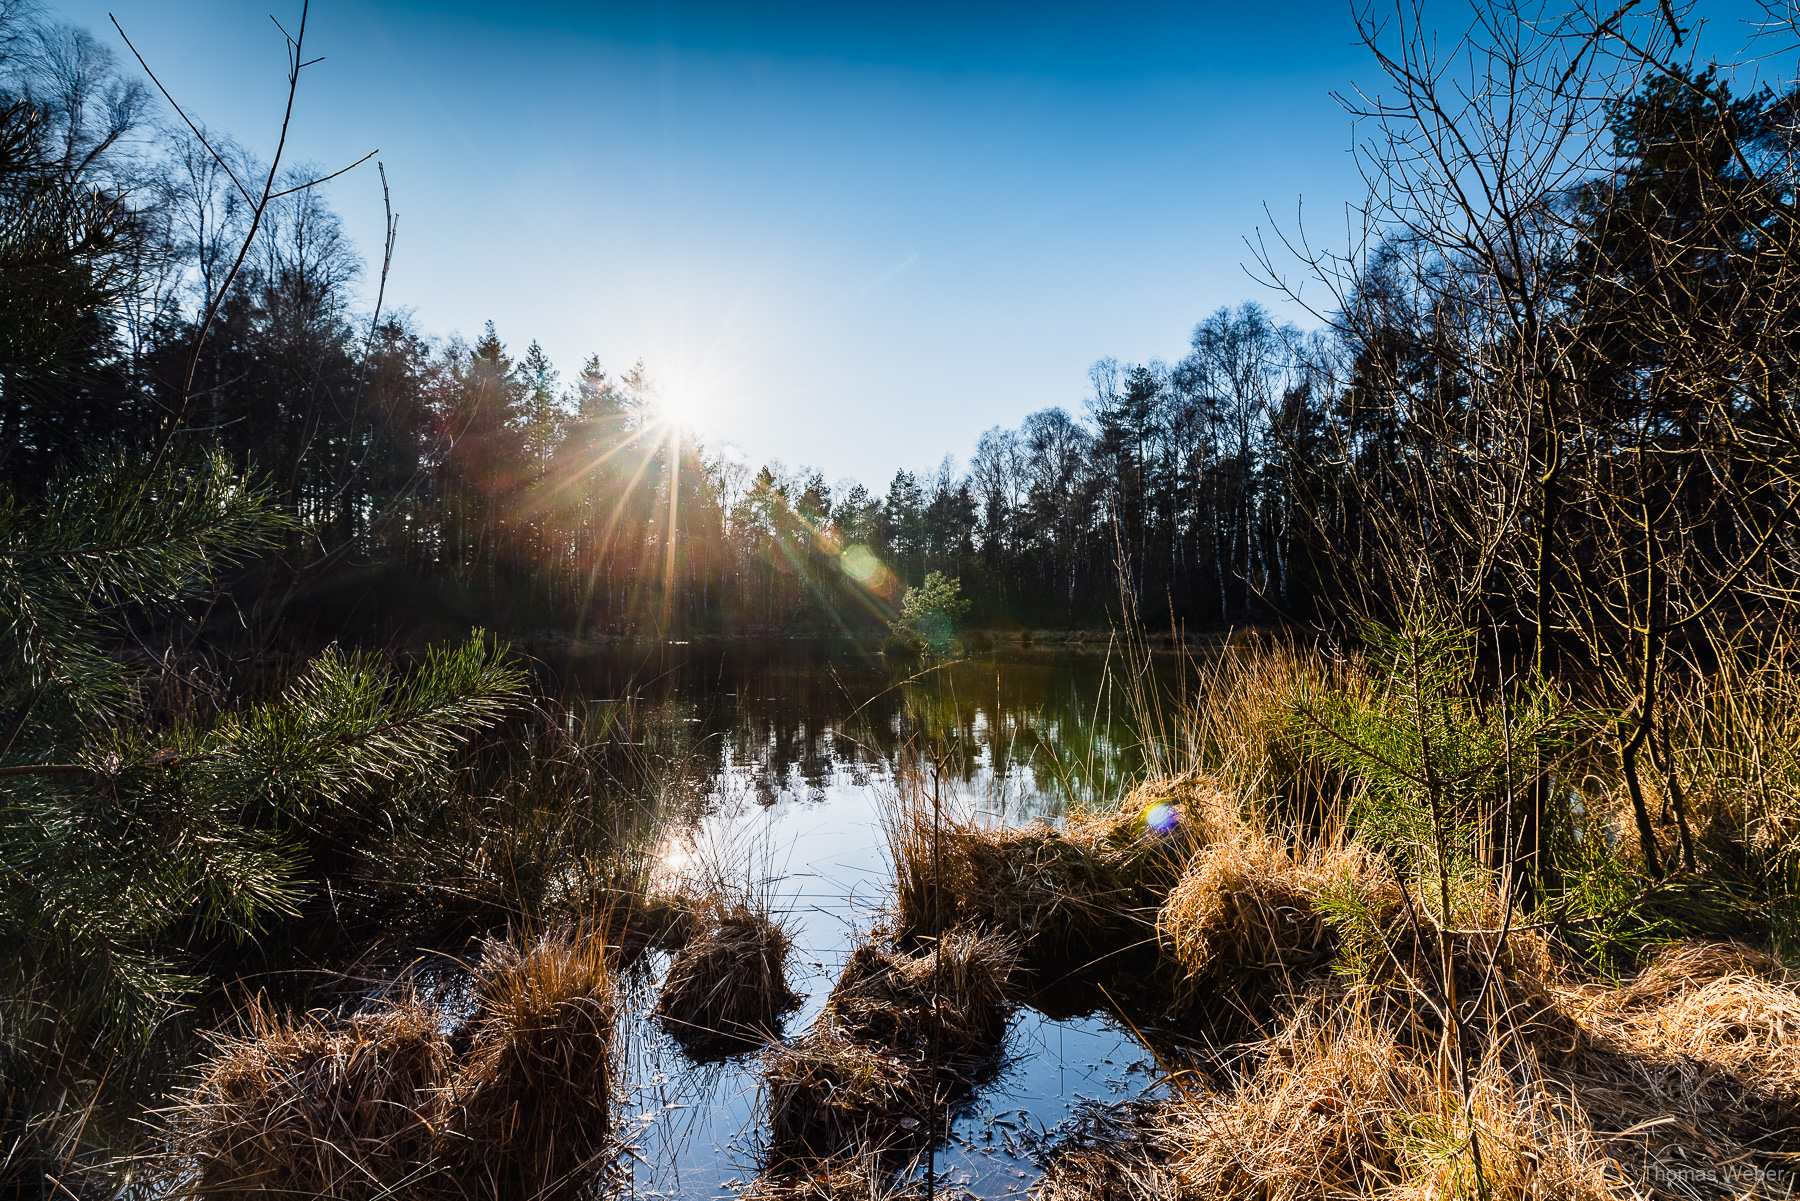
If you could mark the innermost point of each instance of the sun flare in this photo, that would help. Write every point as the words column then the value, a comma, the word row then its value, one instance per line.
column 681, row 405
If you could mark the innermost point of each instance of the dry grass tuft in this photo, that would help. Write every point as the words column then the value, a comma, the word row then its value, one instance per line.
column 1692, row 1067
column 381, row 1106
column 1112, row 1173
column 1246, row 918
column 830, row 1095
column 1333, row 1106
column 1681, row 1083
column 309, row 1106
column 1312, row 1121
column 1069, row 895
column 528, row 1114
column 877, row 1066
column 886, row 998
column 727, row 989
column 653, row 921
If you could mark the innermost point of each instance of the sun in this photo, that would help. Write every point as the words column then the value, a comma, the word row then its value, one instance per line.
column 677, row 406
column 680, row 405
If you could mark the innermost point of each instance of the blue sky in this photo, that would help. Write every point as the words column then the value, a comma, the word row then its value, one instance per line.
column 850, row 236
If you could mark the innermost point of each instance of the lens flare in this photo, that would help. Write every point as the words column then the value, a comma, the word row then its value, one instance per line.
column 860, row 564
column 1162, row 818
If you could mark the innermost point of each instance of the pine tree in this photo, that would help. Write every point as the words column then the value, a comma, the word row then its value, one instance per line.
column 118, row 829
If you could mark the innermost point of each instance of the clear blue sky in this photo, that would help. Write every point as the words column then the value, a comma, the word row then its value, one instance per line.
column 851, row 235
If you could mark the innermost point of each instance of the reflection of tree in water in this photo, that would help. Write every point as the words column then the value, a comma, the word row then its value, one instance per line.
column 1020, row 732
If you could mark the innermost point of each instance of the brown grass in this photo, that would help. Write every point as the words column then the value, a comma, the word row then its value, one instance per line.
column 876, row 1069
column 1682, row 1082
column 1069, row 895
column 952, row 997
column 1696, row 1063
column 381, row 1106
column 1245, row 920
column 1334, row 1107
column 310, row 1106
column 529, row 1111
column 727, row 989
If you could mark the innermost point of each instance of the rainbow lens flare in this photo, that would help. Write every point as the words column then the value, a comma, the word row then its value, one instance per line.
column 1162, row 818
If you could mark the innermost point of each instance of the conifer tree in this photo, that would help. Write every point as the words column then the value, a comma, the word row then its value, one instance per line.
column 120, row 829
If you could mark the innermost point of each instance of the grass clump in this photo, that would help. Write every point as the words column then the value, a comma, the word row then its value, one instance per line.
column 1254, row 916
column 727, row 988
column 515, row 1103
column 313, row 1107
column 1334, row 1105
column 952, row 997
column 1069, row 895
column 529, row 1110
column 1113, row 1153
column 878, row 1065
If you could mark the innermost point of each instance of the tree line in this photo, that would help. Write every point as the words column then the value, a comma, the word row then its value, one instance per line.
column 442, row 480
column 1608, row 321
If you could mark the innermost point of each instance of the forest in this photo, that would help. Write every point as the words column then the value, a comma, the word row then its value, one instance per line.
column 1456, row 851
column 433, row 482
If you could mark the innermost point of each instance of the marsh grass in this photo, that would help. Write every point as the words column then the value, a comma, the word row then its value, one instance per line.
column 727, row 989
column 554, row 818
column 901, row 1038
column 528, row 1111
column 1378, row 1040
column 1074, row 896
column 394, row 1102
column 1682, row 1076
column 1254, row 917
column 316, row 1107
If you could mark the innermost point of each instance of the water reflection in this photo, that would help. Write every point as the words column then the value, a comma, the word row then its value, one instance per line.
column 1023, row 732
column 789, row 751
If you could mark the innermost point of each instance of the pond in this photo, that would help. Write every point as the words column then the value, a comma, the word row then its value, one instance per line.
column 794, row 748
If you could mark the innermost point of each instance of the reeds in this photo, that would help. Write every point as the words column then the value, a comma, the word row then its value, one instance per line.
column 551, row 821
column 900, row 1036
column 727, row 988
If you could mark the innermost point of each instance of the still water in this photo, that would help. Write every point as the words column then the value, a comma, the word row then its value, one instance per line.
column 791, row 749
